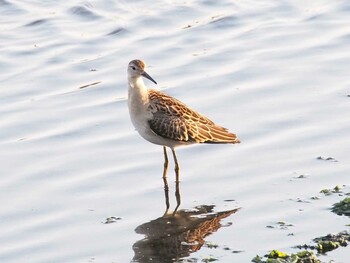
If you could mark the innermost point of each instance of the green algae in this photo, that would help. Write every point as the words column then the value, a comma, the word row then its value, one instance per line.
column 321, row 244
column 276, row 256
column 209, row 259
column 328, row 243
column 307, row 257
column 336, row 190
column 326, row 191
column 342, row 207
column 332, row 241
column 325, row 246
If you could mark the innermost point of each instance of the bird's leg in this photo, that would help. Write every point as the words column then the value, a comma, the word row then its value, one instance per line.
column 177, row 191
column 166, row 193
column 178, row 196
column 177, row 168
column 166, row 162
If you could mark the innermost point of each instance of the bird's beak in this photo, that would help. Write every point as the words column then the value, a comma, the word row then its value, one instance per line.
column 148, row 77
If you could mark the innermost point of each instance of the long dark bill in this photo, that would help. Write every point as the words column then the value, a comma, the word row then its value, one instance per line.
column 148, row 77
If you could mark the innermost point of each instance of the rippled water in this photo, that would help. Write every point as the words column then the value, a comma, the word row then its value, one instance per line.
column 274, row 72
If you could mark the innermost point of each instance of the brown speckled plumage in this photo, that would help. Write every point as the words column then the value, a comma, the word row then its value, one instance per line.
column 172, row 119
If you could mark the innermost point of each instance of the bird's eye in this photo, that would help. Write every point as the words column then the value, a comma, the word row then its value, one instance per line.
column 133, row 68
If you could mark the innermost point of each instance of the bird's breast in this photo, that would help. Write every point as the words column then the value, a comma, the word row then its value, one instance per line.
column 138, row 110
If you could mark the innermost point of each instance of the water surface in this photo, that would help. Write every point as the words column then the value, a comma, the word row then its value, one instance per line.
column 274, row 72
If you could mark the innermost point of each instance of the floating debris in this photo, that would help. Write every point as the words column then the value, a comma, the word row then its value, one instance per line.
column 280, row 224
column 237, row 251
column 283, row 224
column 211, row 245
column 330, row 159
column 209, row 259
column 88, row 85
column 112, row 219
column 116, row 31
column 302, row 201
column 302, row 176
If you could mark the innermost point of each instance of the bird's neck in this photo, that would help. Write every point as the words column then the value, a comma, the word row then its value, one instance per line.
column 137, row 89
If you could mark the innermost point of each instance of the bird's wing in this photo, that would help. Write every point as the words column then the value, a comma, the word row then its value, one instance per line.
column 172, row 119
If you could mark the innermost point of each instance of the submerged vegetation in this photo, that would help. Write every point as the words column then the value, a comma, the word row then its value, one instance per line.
column 276, row 256
column 335, row 190
column 320, row 245
column 342, row 207
column 329, row 242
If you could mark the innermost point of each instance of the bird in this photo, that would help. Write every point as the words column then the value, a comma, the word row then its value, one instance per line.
column 165, row 120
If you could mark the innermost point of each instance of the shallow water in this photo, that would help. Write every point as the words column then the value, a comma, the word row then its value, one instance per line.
column 274, row 72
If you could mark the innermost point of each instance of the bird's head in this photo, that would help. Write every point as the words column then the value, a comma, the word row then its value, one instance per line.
column 136, row 68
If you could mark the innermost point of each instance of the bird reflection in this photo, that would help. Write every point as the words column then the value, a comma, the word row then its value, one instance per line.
column 175, row 236
column 177, row 195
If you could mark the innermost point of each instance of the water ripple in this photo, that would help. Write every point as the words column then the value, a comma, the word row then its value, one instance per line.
column 274, row 72
column 84, row 12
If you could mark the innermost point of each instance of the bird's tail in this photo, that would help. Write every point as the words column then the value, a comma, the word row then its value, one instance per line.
column 221, row 135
